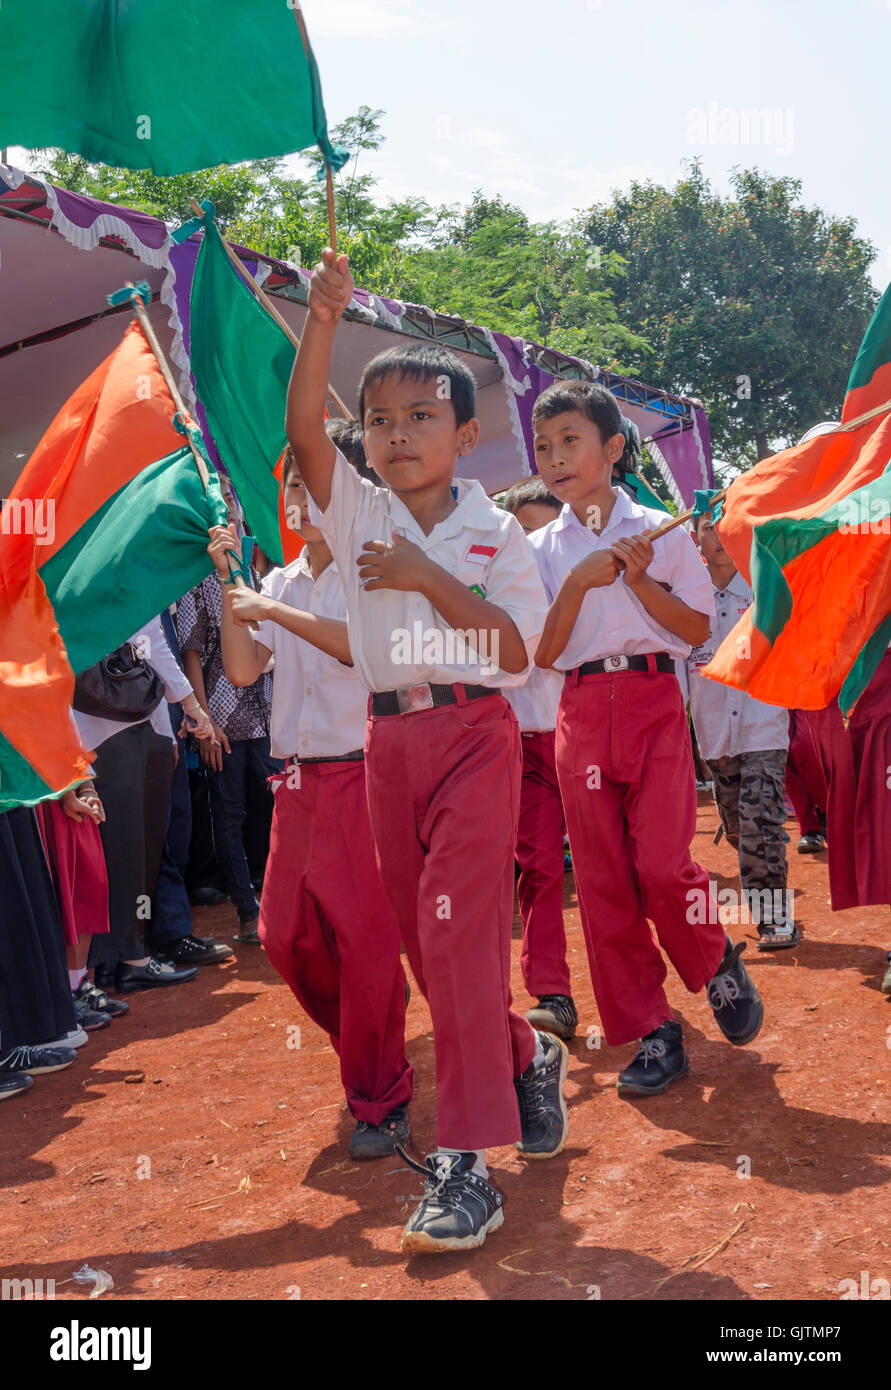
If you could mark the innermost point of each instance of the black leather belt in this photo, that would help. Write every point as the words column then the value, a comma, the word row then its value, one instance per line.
column 408, row 699
column 610, row 664
column 357, row 756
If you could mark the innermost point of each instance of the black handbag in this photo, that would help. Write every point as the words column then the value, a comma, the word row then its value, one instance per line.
column 121, row 687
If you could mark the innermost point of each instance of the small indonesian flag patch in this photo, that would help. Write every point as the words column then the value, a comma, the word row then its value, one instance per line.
column 480, row 554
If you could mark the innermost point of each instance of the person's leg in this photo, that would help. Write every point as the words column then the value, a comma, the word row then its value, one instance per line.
column 725, row 777
column 345, row 880
column 627, row 969
column 675, row 890
column 762, row 837
column 171, row 914
column 35, row 997
column 202, row 872
column 258, row 800
column 442, row 784
column 120, row 781
column 227, row 801
column 540, row 857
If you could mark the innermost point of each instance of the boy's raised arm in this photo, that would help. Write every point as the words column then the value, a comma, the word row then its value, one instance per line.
column 330, row 291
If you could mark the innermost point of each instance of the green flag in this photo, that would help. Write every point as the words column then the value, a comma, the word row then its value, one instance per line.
column 241, row 361
column 160, row 84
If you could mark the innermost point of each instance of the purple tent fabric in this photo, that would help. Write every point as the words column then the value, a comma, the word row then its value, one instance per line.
column 689, row 456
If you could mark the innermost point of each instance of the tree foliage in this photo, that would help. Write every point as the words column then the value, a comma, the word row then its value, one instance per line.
column 753, row 302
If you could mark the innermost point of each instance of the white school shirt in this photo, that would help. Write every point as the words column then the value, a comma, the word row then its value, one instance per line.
column 397, row 637
column 535, row 703
column 152, row 646
column 611, row 620
column 318, row 706
column 728, row 721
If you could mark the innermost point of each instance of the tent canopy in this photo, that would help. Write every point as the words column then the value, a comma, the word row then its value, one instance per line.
column 55, row 327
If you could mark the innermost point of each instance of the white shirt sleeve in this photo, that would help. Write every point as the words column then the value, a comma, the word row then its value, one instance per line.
column 151, row 644
column 690, row 580
column 349, row 511
column 514, row 584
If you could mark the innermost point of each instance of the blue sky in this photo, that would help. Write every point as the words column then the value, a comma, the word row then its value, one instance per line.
column 555, row 104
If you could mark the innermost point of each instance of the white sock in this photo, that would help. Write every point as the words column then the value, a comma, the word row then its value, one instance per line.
column 479, row 1164
column 75, row 978
column 539, row 1059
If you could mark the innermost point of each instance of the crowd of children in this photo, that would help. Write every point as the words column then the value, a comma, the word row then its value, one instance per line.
column 455, row 685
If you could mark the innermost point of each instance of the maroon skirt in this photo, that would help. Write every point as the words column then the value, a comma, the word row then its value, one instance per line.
column 856, row 763
column 77, row 863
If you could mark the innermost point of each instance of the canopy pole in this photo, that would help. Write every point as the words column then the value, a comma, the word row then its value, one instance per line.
column 270, row 307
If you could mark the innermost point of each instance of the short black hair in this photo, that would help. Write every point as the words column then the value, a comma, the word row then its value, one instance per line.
column 346, row 435
column 588, row 397
column 420, row 363
column 530, row 490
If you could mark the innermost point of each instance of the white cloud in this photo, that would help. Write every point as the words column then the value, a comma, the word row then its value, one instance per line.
column 365, row 19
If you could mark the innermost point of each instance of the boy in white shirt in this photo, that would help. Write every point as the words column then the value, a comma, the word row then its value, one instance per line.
column 325, row 921
column 623, row 607
column 445, row 606
column 542, row 823
column 744, row 743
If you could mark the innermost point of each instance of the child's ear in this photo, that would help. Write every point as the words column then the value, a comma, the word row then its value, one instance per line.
column 468, row 436
column 614, row 448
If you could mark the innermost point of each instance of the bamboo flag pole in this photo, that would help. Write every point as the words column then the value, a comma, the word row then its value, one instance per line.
column 269, row 307
column 329, row 178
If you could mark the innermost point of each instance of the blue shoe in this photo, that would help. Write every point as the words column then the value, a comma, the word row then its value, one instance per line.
column 734, row 999
column 661, row 1059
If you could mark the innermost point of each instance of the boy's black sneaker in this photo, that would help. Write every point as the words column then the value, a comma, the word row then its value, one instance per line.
column 37, row 1060
column 544, row 1123
column 661, row 1059
column 14, row 1084
column 811, row 843
column 557, row 1014
column 458, row 1209
column 87, row 1018
column 734, row 999
column 376, row 1141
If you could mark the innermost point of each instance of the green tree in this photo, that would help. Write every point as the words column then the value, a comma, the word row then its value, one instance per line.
column 754, row 302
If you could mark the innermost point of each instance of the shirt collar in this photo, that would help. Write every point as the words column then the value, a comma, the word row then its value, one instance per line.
column 624, row 508
column 474, row 510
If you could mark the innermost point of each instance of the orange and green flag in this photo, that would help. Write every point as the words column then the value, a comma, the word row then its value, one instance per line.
column 105, row 527
column 810, row 528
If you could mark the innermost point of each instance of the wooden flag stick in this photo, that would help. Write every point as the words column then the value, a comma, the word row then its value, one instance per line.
column 270, row 308
column 329, row 178
column 667, row 526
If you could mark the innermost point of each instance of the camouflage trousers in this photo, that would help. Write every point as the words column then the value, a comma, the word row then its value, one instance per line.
column 749, row 794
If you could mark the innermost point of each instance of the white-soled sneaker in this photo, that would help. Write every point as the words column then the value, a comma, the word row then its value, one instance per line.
column 76, row 1037
column 458, row 1209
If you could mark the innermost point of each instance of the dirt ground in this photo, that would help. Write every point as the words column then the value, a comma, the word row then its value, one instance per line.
column 193, row 1154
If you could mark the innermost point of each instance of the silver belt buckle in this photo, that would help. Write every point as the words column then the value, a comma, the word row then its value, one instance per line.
column 615, row 663
column 410, row 698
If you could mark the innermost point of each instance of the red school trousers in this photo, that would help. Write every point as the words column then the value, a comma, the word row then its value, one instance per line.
column 330, row 932
column 626, row 775
column 540, row 857
column 444, row 795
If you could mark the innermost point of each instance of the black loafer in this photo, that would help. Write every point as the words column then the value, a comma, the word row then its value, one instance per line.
column 151, row 976
column 195, row 950
column 661, row 1059
column 734, row 999
column 104, row 976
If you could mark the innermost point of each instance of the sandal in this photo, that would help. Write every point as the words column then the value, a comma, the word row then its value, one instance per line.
column 778, row 938
column 248, row 934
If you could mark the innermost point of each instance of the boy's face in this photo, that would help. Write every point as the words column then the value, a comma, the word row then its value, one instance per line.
column 571, row 457
column 533, row 515
column 297, row 507
column 229, row 499
column 411, row 437
column 710, row 542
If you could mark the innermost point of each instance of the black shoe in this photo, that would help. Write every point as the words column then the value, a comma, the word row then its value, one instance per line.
column 151, row 976
column 458, row 1209
column 96, row 998
column 544, row 1123
column 661, row 1059
column 207, row 897
column 104, row 976
column 195, row 950
column 37, row 1060
column 377, row 1141
column 734, row 999
column 557, row 1014
column 812, row 843
column 91, row 1020
column 14, row 1084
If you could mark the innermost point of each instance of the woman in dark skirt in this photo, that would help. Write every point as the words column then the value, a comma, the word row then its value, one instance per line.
column 36, row 1010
